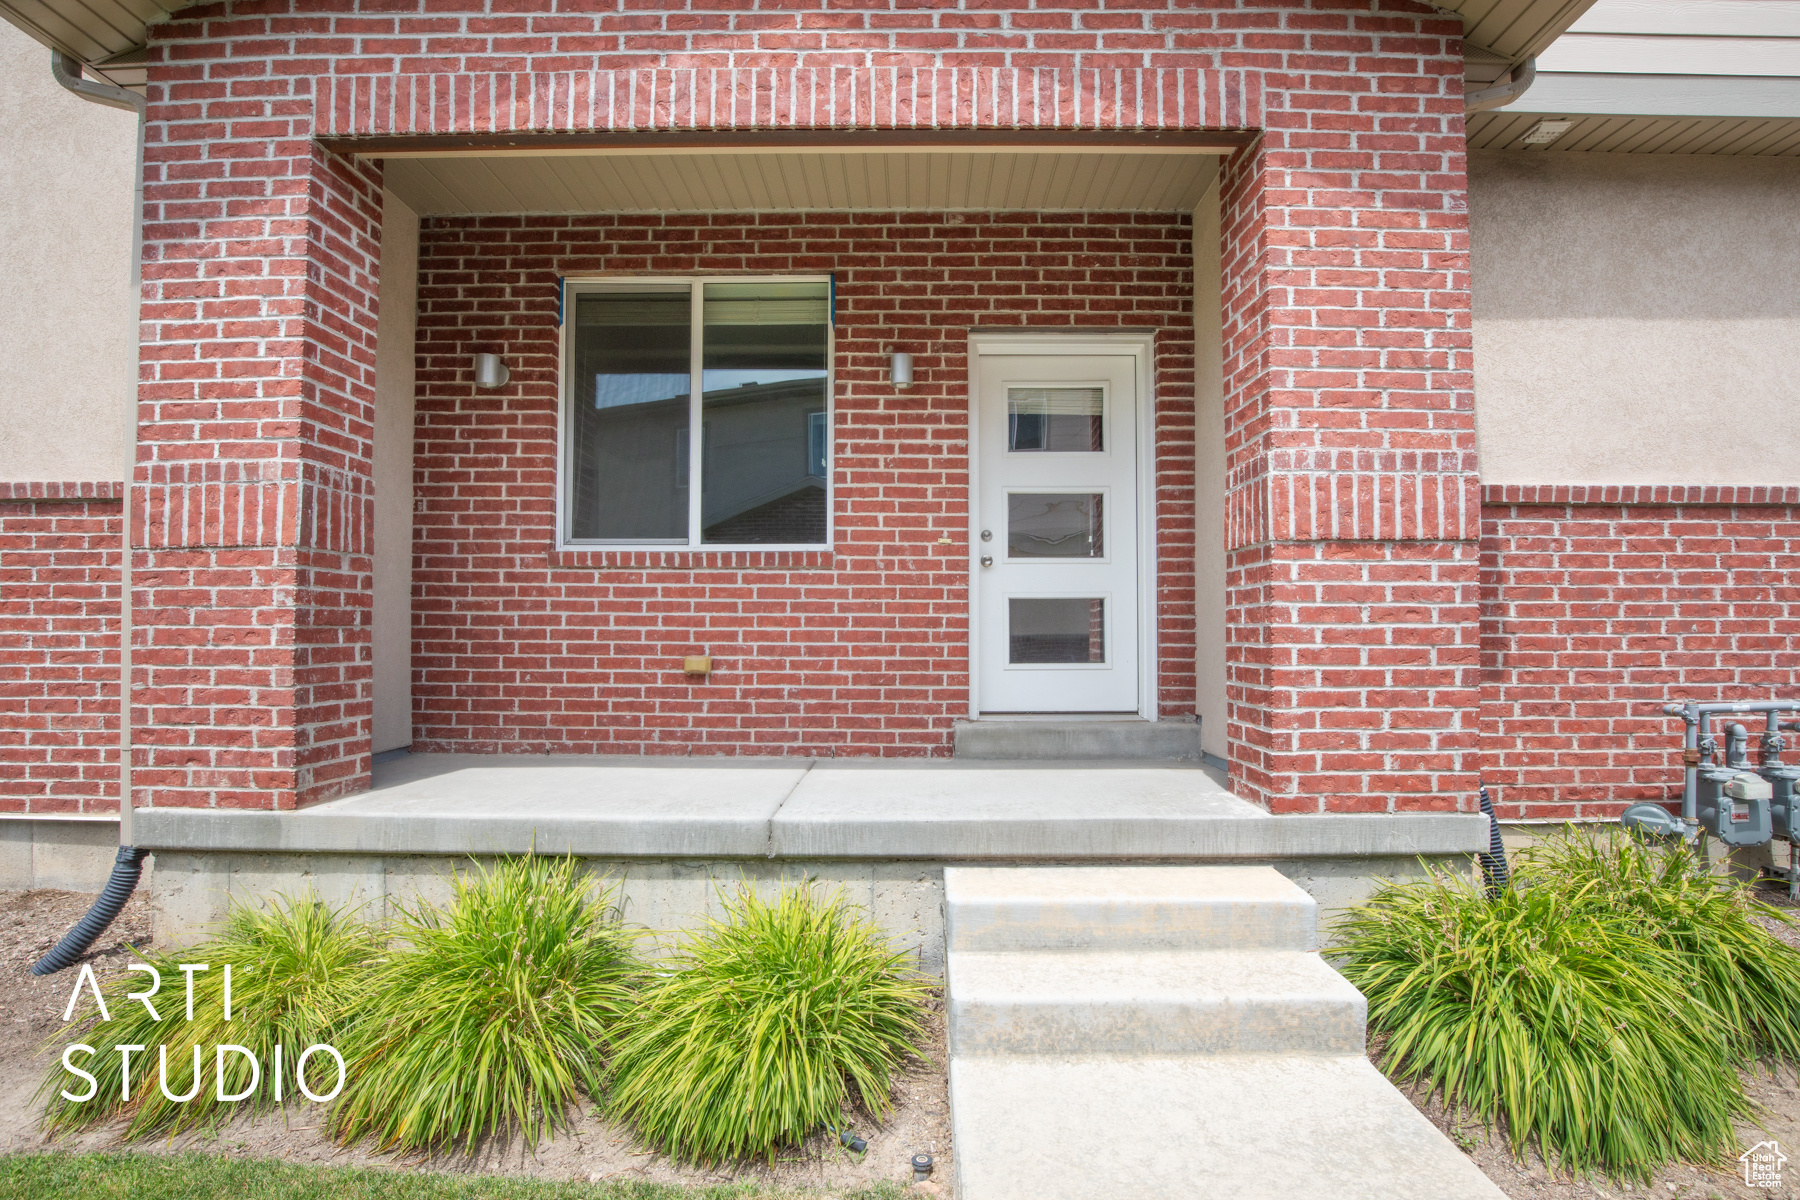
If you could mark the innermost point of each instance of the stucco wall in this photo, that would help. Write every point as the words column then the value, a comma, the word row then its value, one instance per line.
column 1209, row 482
column 392, row 468
column 70, row 343
column 1637, row 318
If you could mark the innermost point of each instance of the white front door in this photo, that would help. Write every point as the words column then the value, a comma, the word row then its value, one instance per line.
column 1056, row 520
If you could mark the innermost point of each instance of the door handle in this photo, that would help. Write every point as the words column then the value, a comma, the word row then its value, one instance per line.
column 987, row 560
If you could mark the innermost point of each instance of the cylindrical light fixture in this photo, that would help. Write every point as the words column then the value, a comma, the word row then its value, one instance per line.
column 900, row 369
column 490, row 371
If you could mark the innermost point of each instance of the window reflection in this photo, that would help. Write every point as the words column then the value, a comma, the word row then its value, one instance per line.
column 763, row 413
column 1058, row 420
column 1055, row 525
column 1056, row 629
column 628, row 424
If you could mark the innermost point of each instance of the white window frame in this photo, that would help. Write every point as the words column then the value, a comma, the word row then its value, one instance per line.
column 574, row 287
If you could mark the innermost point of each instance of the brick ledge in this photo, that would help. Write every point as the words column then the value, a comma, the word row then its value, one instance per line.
column 1639, row 493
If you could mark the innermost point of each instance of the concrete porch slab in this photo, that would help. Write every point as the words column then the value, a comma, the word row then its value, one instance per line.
column 798, row 809
column 1078, row 812
column 510, row 804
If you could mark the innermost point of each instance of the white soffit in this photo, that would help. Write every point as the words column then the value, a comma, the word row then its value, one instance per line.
column 1761, row 136
column 797, row 182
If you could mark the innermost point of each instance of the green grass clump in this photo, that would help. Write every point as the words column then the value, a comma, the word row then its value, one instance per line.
column 213, row 1177
column 492, row 1015
column 294, row 966
column 1742, row 972
column 1540, row 1008
column 769, row 1020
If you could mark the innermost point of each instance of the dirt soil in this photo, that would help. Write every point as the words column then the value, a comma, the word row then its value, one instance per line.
column 592, row 1149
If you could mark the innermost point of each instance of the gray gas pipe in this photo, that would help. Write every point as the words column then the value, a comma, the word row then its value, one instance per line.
column 1737, row 803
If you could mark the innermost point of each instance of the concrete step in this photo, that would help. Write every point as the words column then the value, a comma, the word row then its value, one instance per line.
column 1161, row 1033
column 1248, row 1127
column 990, row 909
column 1158, row 1003
column 1126, row 738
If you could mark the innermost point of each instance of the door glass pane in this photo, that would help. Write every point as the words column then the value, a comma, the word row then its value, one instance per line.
column 1055, row 419
column 763, row 406
column 1056, row 630
column 628, row 420
column 1054, row 525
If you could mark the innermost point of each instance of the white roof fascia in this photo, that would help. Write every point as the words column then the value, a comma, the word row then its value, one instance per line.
column 1688, row 18
column 1655, row 54
column 1662, row 95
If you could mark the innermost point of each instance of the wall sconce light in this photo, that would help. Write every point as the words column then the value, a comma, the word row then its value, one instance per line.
column 490, row 371
column 900, row 369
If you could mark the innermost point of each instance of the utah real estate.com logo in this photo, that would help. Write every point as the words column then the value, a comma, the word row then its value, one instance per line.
column 1762, row 1164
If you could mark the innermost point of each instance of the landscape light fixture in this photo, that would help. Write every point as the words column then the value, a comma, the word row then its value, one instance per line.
column 1545, row 132
column 490, row 371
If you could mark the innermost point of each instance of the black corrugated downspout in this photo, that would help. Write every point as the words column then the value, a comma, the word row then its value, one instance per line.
column 1493, row 862
column 66, row 953
column 129, row 865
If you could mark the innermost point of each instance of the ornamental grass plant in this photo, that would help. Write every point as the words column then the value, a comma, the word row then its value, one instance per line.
column 492, row 1014
column 1543, row 1008
column 294, row 965
column 770, row 1021
column 1708, row 922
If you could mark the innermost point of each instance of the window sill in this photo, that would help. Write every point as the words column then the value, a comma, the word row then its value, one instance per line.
column 688, row 558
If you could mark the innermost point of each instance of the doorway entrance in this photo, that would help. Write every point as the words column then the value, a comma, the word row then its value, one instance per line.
column 1060, row 523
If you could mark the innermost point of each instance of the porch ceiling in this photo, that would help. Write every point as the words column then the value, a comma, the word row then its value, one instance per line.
column 993, row 179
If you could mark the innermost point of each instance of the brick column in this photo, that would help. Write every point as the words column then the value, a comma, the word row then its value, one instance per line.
column 251, row 538
column 1352, row 507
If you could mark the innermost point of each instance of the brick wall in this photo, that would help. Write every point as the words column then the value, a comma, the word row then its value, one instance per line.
column 251, row 573
column 59, row 647
column 1601, row 604
column 860, row 650
column 1346, row 300
column 1351, row 501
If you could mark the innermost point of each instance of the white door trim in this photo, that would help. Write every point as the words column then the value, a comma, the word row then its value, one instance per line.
column 1140, row 345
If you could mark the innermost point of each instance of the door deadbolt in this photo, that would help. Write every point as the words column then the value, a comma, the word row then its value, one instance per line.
column 987, row 535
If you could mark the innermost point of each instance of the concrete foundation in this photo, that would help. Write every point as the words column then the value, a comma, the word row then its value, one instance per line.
column 74, row 855
column 190, row 892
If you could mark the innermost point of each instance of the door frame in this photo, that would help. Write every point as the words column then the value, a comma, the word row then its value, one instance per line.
column 1139, row 344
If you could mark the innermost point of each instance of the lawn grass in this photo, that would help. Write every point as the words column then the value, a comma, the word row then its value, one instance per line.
column 206, row 1176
